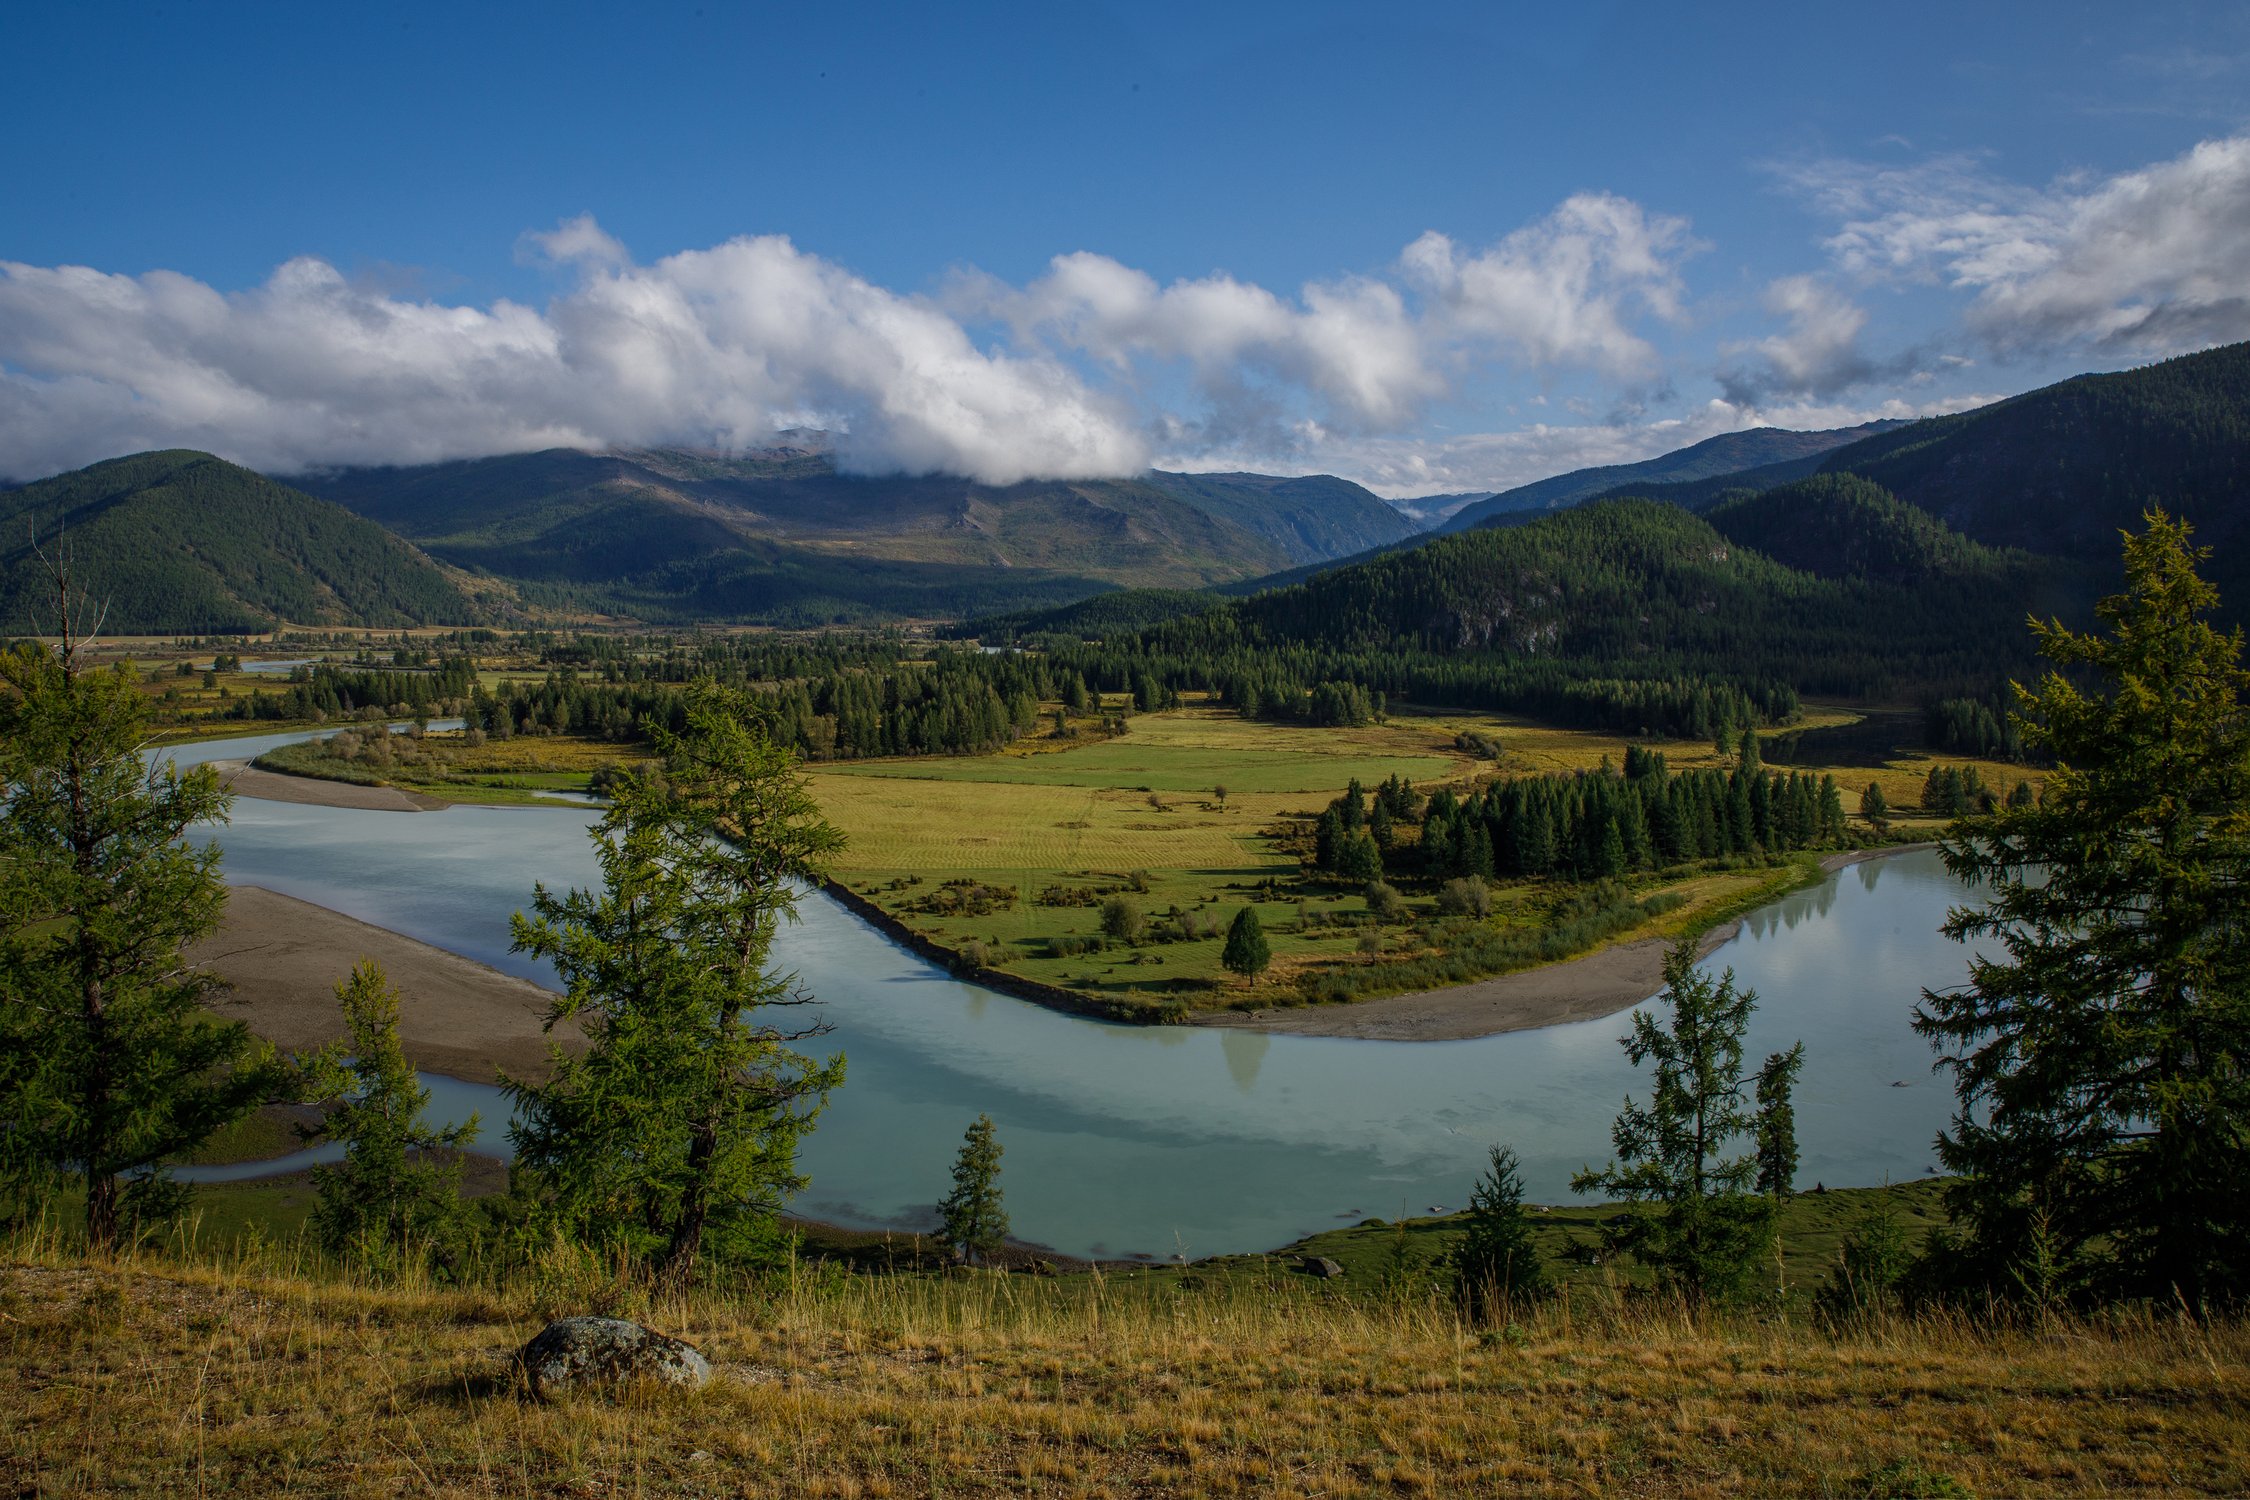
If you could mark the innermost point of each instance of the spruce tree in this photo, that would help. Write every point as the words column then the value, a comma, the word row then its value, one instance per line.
column 1247, row 952
column 679, row 1123
column 2098, row 1058
column 1694, row 1216
column 111, row 1061
column 392, row 1199
column 971, row 1218
column 1496, row 1267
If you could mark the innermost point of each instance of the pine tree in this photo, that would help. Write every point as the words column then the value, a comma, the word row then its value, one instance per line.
column 391, row 1198
column 111, row 1062
column 680, row 1120
column 971, row 1218
column 1496, row 1267
column 1247, row 952
column 1875, row 808
column 1694, row 1216
column 1776, row 1124
column 2098, row 1061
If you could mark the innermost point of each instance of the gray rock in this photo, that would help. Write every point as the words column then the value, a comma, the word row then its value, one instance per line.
column 574, row 1352
column 1320, row 1266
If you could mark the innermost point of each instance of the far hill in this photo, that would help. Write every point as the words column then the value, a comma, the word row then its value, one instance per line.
column 1316, row 518
column 782, row 537
column 1728, row 453
column 2062, row 469
column 183, row 542
column 1626, row 614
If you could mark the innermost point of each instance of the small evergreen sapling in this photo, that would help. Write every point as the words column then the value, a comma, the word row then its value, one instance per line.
column 392, row 1199
column 1496, row 1267
column 971, row 1218
column 1776, row 1125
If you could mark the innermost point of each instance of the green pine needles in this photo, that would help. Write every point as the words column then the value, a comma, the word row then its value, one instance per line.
column 675, row 1132
column 971, row 1217
column 2099, row 1058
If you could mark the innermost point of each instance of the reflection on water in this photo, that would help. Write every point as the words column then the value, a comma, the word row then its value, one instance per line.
column 1154, row 1139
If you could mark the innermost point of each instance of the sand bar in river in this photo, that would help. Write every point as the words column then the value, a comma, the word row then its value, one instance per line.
column 456, row 1016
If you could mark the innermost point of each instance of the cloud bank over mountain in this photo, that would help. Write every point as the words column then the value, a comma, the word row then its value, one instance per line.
column 1095, row 368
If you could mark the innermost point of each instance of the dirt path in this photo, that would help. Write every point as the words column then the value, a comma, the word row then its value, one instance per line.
column 246, row 780
column 456, row 1016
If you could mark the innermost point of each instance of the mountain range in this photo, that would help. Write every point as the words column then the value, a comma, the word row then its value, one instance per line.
column 182, row 541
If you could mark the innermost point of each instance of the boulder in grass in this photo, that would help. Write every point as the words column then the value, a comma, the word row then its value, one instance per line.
column 1320, row 1266
column 580, row 1353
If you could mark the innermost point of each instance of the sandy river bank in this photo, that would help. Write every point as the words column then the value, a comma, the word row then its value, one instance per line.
column 283, row 958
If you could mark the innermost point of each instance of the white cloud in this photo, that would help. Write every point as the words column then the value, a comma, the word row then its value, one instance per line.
column 1817, row 355
column 721, row 346
column 2144, row 263
column 718, row 346
column 1562, row 291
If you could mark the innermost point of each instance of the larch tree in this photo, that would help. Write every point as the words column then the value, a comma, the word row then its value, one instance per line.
column 112, row 1062
column 2099, row 1057
column 675, row 1132
column 1775, row 1125
column 395, row 1199
column 1694, row 1216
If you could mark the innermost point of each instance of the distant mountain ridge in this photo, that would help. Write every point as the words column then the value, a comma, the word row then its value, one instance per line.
column 180, row 541
column 1315, row 518
column 1728, row 453
column 778, row 535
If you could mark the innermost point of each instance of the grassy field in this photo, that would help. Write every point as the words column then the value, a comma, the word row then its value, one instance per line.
column 447, row 765
column 1139, row 817
column 241, row 1375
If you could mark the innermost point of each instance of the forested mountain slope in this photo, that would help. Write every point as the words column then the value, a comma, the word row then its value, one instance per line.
column 2062, row 469
column 1630, row 614
column 180, row 541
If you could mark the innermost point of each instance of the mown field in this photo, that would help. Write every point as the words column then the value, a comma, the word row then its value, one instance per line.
column 1034, row 839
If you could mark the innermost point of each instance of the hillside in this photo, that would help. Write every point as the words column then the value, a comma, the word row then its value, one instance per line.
column 179, row 541
column 783, row 537
column 2062, row 469
column 1315, row 518
column 1635, row 590
column 1843, row 526
column 231, row 1377
column 1728, row 453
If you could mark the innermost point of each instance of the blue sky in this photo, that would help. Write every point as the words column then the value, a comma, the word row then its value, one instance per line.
column 1455, row 248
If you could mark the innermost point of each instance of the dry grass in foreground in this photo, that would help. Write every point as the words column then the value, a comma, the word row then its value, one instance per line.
column 154, row 1377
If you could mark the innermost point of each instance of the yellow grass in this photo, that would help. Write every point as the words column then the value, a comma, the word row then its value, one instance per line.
column 158, row 1379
